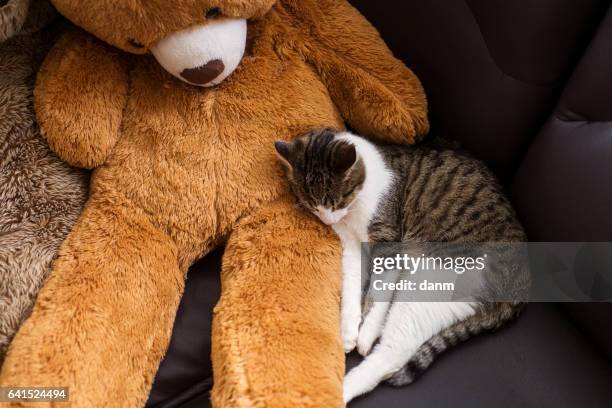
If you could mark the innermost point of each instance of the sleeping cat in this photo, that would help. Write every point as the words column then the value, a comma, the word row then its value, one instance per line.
column 372, row 193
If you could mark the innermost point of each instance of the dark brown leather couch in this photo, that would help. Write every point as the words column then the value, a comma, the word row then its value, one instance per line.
column 525, row 85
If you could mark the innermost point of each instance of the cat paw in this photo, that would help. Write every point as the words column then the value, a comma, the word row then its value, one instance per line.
column 350, row 389
column 366, row 339
column 350, row 332
column 347, row 395
column 357, row 382
column 372, row 327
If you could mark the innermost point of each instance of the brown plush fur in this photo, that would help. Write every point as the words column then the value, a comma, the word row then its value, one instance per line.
column 180, row 169
column 12, row 16
column 145, row 21
column 40, row 196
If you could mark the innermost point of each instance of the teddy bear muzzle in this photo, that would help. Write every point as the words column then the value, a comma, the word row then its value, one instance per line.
column 203, row 55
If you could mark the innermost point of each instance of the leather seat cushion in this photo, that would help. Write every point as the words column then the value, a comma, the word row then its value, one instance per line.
column 541, row 360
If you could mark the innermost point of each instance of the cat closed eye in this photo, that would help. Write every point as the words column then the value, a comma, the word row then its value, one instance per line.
column 348, row 193
column 134, row 43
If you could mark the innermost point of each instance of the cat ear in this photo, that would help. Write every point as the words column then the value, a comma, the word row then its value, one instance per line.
column 344, row 157
column 283, row 149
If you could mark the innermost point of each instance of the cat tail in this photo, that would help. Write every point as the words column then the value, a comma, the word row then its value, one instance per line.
column 491, row 316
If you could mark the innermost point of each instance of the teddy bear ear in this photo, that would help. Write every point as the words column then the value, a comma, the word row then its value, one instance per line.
column 283, row 149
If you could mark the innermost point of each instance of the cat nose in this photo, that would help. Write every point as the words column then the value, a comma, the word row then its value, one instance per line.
column 204, row 73
column 324, row 215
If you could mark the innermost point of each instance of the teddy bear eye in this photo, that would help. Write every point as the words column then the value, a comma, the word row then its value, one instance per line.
column 213, row 12
column 135, row 43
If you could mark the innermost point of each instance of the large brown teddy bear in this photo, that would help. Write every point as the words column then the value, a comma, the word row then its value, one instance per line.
column 181, row 168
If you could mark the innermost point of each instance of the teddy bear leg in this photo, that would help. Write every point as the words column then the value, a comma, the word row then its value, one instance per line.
column 276, row 331
column 102, row 321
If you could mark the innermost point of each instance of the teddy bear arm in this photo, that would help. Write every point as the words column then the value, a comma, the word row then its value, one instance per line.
column 375, row 92
column 81, row 91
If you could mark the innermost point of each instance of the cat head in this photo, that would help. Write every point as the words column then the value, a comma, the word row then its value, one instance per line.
column 325, row 173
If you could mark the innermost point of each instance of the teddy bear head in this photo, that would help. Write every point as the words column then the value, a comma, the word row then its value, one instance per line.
column 199, row 41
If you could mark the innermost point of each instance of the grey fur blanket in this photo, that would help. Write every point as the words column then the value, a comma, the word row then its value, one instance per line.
column 40, row 196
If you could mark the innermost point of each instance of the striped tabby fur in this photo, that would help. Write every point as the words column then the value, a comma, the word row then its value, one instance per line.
column 492, row 317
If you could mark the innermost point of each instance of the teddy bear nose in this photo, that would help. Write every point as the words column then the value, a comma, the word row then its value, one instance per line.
column 205, row 73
